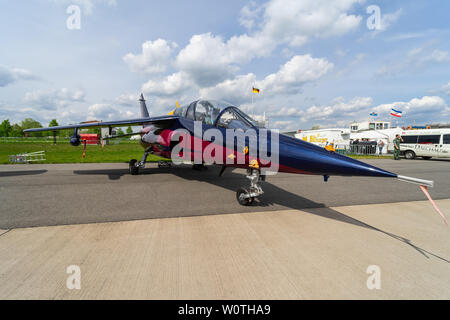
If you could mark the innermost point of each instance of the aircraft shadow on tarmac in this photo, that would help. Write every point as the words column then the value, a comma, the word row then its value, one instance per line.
column 21, row 173
column 273, row 195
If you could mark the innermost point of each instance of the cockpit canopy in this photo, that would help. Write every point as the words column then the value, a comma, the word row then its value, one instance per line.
column 216, row 113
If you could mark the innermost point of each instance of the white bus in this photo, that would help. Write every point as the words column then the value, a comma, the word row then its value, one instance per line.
column 430, row 143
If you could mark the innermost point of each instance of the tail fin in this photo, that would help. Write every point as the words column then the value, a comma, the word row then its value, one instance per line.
column 144, row 111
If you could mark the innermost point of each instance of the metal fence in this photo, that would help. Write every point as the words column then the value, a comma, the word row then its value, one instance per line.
column 33, row 140
column 363, row 148
column 28, row 157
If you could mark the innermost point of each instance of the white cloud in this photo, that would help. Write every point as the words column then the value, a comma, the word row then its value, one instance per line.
column 10, row 75
column 155, row 57
column 173, row 85
column 250, row 14
column 236, row 91
column 338, row 109
column 53, row 99
column 445, row 89
column 416, row 59
column 105, row 112
column 209, row 59
column 294, row 74
column 388, row 19
column 430, row 106
column 294, row 21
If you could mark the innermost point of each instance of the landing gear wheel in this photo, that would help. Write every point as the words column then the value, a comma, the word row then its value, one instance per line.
column 410, row 155
column 134, row 170
column 242, row 199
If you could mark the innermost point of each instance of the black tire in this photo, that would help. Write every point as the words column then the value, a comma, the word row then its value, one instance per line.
column 133, row 169
column 410, row 155
column 426, row 158
column 244, row 201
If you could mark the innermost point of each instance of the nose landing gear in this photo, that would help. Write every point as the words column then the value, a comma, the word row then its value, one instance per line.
column 246, row 196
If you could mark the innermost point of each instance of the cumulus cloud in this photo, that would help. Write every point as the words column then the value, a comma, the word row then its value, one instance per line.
column 429, row 106
column 338, row 109
column 170, row 86
column 295, row 73
column 209, row 59
column 11, row 75
column 105, row 112
column 236, row 91
column 155, row 57
column 295, row 21
column 53, row 99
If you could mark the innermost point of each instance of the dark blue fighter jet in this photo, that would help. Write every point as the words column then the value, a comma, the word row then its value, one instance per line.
column 161, row 136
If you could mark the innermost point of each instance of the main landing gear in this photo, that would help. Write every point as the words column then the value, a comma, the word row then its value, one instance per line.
column 136, row 165
column 246, row 196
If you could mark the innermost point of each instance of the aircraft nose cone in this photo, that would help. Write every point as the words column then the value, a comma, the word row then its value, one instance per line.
column 303, row 157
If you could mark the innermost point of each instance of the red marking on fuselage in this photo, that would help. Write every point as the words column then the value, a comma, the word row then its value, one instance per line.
column 166, row 136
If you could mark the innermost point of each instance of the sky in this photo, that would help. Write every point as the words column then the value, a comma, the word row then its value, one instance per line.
column 316, row 62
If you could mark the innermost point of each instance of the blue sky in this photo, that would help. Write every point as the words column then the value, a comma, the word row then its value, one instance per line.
column 315, row 61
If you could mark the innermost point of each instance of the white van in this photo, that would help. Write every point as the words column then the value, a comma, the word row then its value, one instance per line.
column 430, row 143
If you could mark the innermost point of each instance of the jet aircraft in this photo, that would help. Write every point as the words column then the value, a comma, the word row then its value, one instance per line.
column 294, row 155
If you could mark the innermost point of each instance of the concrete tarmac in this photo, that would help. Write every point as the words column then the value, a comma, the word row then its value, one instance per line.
column 318, row 253
column 305, row 239
column 45, row 195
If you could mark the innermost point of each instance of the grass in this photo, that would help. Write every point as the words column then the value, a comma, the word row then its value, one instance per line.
column 355, row 156
column 65, row 153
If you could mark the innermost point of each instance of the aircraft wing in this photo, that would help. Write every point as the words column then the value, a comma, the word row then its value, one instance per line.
column 119, row 123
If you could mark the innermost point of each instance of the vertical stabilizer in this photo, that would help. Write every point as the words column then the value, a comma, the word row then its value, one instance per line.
column 144, row 111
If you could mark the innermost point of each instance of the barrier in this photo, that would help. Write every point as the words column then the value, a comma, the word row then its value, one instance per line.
column 28, row 157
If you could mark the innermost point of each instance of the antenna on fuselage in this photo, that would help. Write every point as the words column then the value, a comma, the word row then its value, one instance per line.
column 144, row 111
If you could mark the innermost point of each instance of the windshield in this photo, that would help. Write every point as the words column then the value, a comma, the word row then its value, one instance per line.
column 208, row 111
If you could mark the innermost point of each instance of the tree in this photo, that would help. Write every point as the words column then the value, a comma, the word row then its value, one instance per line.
column 129, row 130
column 17, row 131
column 315, row 128
column 53, row 123
column 31, row 123
column 5, row 128
column 95, row 131
column 119, row 132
